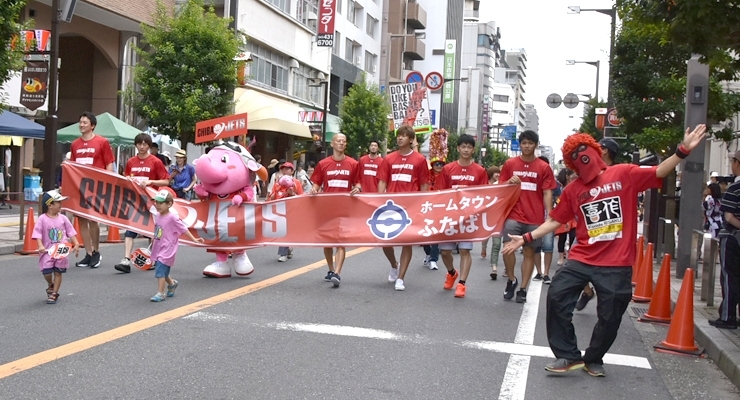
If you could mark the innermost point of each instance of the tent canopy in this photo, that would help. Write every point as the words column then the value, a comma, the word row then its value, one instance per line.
column 116, row 131
column 14, row 125
column 269, row 113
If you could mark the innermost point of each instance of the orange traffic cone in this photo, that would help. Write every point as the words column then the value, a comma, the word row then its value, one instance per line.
column 680, row 337
column 638, row 260
column 114, row 236
column 644, row 289
column 29, row 244
column 77, row 229
column 660, row 307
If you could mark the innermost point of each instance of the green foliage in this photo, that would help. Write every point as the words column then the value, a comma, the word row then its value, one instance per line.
column 10, row 59
column 493, row 156
column 187, row 73
column 364, row 113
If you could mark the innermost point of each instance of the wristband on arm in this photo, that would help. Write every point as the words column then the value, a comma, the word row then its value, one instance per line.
column 682, row 152
column 528, row 237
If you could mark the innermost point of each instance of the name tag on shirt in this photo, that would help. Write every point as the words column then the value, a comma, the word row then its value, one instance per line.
column 529, row 186
column 85, row 160
column 370, row 172
column 401, row 177
column 338, row 183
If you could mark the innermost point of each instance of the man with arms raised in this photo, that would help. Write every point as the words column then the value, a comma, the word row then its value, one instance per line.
column 369, row 165
column 403, row 171
column 336, row 174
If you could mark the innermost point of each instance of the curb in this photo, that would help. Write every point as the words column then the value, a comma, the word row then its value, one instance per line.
column 724, row 353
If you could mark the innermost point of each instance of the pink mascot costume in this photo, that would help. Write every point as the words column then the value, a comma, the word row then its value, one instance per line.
column 228, row 171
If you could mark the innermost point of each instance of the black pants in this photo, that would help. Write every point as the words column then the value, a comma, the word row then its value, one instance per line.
column 729, row 258
column 570, row 236
column 614, row 285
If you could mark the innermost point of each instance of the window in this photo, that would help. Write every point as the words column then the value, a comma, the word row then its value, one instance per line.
column 302, row 85
column 283, row 5
column 501, row 98
column 349, row 50
column 339, row 6
column 482, row 40
column 370, row 62
column 370, row 25
column 307, row 12
column 269, row 67
column 337, row 41
column 351, row 12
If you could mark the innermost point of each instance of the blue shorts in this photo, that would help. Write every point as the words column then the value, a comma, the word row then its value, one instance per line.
column 161, row 270
column 459, row 245
column 130, row 234
column 548, row 243
column 47, row 271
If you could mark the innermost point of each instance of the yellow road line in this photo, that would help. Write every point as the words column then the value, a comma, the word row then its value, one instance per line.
column 7, row 224
column 68, row 349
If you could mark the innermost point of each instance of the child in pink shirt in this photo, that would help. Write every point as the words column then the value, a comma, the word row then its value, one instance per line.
column 167, row 229
column 52, row 232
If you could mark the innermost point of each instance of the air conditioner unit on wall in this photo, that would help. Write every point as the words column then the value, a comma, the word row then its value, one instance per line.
column 358, row 61
column 374, row 69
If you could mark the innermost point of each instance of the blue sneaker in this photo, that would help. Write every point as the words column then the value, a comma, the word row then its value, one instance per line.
column 158, row 297
column 328, row 276
column 335, row 280
column 171, row 288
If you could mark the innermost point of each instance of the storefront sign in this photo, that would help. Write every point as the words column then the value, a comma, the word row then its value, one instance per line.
column 325, row 30
column 34, row 84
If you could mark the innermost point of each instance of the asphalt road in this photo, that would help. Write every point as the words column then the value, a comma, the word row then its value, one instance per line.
column 284, row 333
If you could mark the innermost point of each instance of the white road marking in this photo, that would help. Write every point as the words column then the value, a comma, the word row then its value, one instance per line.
column 208, row 317
column 338, row 330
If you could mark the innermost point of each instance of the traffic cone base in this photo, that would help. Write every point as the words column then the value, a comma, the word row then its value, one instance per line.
column 680, row 337
column 114, row 236
column 644, row 289
column 29, row 244
column 638, row 260
column 660, row 307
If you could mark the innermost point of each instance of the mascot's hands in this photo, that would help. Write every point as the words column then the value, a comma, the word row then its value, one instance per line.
column 200, row 191
column 237, row 200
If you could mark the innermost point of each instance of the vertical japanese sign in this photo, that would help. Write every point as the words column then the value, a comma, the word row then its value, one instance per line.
column 410, row 105
column 34, row 84
column 486, row 111
column 327, row 16
column 448, row 91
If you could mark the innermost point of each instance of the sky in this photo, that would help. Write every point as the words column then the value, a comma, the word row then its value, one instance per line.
column 550, row 36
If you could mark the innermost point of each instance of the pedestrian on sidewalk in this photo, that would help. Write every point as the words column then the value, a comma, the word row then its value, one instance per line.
column 167, row 229
column 54, row 229
column 603, row 200
column 286, row 186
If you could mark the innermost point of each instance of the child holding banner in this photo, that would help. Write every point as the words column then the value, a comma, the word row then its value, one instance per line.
column 167, row 229
column 52, row 232
column 286, row 186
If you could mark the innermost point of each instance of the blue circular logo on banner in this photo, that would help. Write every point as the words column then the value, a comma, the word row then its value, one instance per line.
column 388, row 221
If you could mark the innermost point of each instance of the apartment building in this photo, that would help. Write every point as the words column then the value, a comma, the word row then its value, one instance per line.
column 513, row 72
column 531, row 119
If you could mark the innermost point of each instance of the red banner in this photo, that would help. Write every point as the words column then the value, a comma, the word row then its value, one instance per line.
column 221, row 128
column 324, row 220
column 325, row 28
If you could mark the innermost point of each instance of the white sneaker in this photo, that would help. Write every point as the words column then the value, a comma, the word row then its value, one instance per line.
column 426, row 260
column 399, row 285
column 433, row 265
column 393, row 275
column 282, row 259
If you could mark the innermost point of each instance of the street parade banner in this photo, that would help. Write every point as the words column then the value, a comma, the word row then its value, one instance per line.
column 326, row 220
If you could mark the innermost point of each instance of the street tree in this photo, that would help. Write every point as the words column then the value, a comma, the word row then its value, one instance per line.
column 492, row 157
column 364, row 116
column 11, row 56
column 188, row 72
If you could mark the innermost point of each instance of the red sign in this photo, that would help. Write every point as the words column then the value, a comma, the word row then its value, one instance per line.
column 221, row 128
column 336, row 219
column 613, row 118
column 325, row 30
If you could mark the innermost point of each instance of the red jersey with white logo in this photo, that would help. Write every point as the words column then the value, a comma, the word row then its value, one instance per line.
column 455, row 175
column 536, row 177
column 404, row 173
column 369, row 173
column 606, row 214
column 96, row 152
column 336, row 176
column 149, row 168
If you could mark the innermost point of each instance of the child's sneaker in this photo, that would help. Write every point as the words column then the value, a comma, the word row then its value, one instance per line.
column 158, row 297
column 171, row 288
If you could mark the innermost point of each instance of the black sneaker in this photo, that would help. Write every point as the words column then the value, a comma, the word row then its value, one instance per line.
column 582, row 301
column 328, row 276
column 124, row 266
column 521, row 296
column 595, row 369
column 546, row 280
column 95, row 259
column 722, row 324
column 564, row 365
column 85, row 262
column 537, row 277
column 510, row 287
column 335, row 280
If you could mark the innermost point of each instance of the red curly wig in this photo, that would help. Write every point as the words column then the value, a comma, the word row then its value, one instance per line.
column 571, row 144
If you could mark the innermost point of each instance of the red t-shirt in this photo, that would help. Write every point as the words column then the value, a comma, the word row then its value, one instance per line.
column 454, row 175
column 150, row 168
column 606, row 214
column 336, row 176
column 536, row 177
column 404, row 173
column 96, row 152
column 369, row 173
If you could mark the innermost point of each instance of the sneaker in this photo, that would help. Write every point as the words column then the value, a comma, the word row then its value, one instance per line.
column 85, row 262
column 282, row 259
column 290, row 253
column 335, row 279
column 537, row 277
column 433, row 265
column 426, row 260
column 450, row 280
column 510, row 286
column 52, row 299
column 521, row 296
column 582, row 301
column 158, row 297
column 124, row 266
column 399, row 285
column 564, row 365
column 393, row 275
column 460, row 290
column 171, row 288
column 95, row 259
column 328, row 276
column 722, row 324
column 546, row 280
column 595, row 369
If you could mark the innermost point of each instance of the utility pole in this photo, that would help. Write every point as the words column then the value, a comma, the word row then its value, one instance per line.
column 50, row 136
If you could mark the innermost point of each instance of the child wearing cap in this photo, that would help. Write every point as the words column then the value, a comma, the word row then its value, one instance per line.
column 286, row 186
column 167, row 229
column 52, row 233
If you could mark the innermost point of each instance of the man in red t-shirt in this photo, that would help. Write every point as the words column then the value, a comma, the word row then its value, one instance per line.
column 403, row 171
column 91, row 149
column 604, row 202
column 537, row 182
column 336, row 174
column 461, row 173
column 146, row 170
column 369, row 165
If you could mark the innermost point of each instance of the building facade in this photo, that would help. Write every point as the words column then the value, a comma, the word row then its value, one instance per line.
column 531, row 119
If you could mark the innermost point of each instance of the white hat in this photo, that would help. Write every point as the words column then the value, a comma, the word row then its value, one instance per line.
column 162, row 196
column 241, row 151
column 714, row 174
column 53, row 196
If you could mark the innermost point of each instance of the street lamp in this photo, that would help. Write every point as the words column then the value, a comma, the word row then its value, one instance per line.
column 482, row 153
column 415, row 35
column 325, row 85
column 612, row 12
column 596, row 64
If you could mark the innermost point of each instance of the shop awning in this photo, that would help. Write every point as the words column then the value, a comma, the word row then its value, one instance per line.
column 12, row 124
column 11, row 141
column 269, row 113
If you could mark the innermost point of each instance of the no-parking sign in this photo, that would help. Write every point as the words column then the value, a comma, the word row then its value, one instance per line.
column 414, row 76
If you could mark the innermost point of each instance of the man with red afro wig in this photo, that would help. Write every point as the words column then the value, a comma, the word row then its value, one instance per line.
column 603, row 200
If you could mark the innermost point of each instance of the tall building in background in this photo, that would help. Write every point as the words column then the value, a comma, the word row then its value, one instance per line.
column 516, row 71
column 456, row 10
column 435, row 55
column 403, row 24
column 531, row 119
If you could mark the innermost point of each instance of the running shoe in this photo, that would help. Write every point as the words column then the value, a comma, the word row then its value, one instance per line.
column 595, row 369
column 510, row 287
column 450, row 280
column 328, row 276
column 282, row 259
column 335, row 280
column 85, row 262
column 399, row 285
column 290, row 253
column 433, row 265
column 171, row 288
column 546, row 280
column 95, row 259
column 460, row 290
column 537, row 277
column 158, row 297
column 124, row 266
column 393, row 275
column 582, row 301
column 426, row 260
column 564, row 365
column 521, row 296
